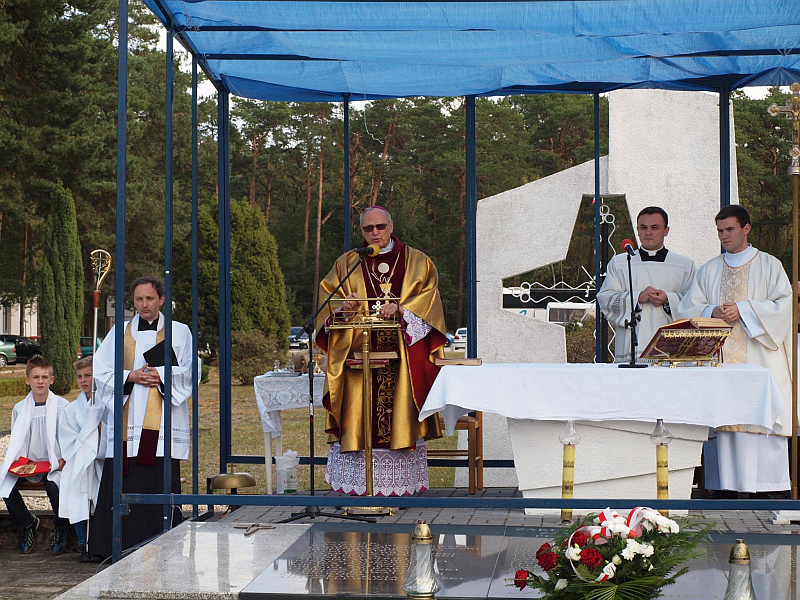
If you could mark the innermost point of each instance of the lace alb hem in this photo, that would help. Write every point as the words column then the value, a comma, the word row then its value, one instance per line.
column 394, row 472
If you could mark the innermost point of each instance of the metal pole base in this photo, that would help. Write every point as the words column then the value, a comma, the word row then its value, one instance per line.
column 312, row 512
column 370, row 510
column 632, row 366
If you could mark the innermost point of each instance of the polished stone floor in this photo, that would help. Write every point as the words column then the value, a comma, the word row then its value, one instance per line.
column 324, row 563
column 214, row 560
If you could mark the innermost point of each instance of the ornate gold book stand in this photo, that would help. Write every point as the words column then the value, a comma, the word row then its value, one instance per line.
column 366, row 323
column 695, row 341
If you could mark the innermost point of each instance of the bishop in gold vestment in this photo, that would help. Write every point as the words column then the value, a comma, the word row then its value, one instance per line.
column 408, row 281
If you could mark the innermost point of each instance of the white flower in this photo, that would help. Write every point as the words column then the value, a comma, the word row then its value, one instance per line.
column 651, row 568
column 616, row 560
column 610, row 570
column 664, row 524
column 561, row 584
column 617, row 526
column 574, row 553
column 647, row 525
column 632, row 548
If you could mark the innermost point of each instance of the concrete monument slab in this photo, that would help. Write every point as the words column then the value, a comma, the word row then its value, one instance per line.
column 664, row 150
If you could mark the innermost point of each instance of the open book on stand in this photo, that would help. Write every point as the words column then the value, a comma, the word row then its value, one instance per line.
column 698, row 340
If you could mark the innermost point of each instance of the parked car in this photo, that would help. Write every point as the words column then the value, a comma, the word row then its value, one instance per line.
column 86, row 345
column 25, row 346
column 460, row 339
column 8, row 354
column 449, row 341
column 302, row 343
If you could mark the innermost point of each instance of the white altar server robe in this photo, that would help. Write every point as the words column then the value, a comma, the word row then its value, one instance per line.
column 103, row 371
column 34, row 436
column 83, row 448
column 663, row 270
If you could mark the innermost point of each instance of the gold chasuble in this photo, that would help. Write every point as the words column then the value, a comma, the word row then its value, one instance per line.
column 399, row 391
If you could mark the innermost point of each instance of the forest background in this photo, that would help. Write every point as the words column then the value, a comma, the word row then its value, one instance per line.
column 58, row 94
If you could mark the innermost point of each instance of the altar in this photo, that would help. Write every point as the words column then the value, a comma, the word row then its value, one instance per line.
column 615, row 411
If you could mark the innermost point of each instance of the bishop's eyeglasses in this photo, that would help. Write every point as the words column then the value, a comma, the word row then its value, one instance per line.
column 379, row 227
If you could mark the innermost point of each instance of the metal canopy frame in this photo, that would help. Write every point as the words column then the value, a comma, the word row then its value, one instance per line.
column 723, row 84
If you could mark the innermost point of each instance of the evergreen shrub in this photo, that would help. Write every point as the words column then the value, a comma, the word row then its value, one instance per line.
column 252, row 354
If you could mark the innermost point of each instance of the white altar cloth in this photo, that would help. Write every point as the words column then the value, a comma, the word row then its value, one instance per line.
column 275, row 393
column 616, row 410
column 589, row 392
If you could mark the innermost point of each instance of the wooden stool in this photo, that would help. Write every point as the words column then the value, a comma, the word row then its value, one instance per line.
column 474, row 452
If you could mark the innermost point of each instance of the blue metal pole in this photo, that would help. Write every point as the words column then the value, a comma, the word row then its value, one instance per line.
column 168, row 278
column 119, row 276
column 724, row 145
column 347, row 224
column 598, row 338
column 195, row 224
column 471, row 218
column 222, row 276
column 227, row 381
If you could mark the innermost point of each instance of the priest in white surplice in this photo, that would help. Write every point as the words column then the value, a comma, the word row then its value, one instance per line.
column 143, row 416
column 660, row 279
column 750, row 290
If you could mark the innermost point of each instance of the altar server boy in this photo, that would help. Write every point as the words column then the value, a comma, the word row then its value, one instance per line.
column 83, row 442
column 34, row 454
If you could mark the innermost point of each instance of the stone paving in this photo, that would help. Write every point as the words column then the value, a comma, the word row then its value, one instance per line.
column 739, row 521
column 40, row 575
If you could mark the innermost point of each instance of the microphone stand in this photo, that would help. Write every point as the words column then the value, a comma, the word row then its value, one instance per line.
column 313, row 511
column 632, row 324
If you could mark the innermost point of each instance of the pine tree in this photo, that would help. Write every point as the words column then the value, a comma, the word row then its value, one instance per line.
column 60, row 288
column 258, row 293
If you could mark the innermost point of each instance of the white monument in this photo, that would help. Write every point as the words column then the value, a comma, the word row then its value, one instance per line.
column 663, row 150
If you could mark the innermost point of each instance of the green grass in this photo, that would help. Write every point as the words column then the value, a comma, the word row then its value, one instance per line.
column 248, row 438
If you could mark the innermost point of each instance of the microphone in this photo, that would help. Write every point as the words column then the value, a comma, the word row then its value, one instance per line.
column 371, row 250
column 628, row 246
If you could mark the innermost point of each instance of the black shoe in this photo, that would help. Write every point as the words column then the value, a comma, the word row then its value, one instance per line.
column 84, row 557
column 59, row 544
column 29, row 536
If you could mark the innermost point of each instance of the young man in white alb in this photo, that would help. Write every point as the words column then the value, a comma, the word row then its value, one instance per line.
column 34, row 426
column 83, row 441
column 750, row 290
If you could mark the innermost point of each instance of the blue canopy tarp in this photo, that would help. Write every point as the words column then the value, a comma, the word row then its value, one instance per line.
column 308, row 51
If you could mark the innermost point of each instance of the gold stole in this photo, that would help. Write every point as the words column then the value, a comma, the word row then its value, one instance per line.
column 733, row 288
column 152, row 415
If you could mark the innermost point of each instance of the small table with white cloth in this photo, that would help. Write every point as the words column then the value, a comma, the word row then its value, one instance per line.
column 275, row 393
column 615, row 411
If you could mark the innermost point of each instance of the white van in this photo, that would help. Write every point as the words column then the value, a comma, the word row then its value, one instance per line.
column 564, row 312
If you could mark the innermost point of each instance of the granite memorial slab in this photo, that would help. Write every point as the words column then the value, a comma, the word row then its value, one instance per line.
column 373, row 565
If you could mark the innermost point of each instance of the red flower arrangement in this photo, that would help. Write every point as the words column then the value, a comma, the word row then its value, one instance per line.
column 636, row 556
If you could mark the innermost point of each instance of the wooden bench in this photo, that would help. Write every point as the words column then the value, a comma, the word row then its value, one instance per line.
column 29, row 488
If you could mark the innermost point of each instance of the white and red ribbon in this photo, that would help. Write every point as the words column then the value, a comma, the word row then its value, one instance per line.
column 600, row 533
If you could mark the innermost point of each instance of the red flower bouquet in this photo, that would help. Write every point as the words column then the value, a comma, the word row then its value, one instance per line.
column 636, row 555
